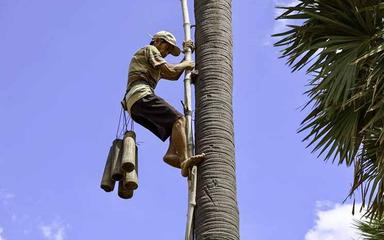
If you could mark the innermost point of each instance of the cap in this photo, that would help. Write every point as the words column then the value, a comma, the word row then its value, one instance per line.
column 167, row 36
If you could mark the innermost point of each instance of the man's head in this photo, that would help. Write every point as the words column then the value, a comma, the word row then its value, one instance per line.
column 166, row 43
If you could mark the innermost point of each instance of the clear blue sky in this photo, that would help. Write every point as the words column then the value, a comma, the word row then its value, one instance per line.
column 63, row 68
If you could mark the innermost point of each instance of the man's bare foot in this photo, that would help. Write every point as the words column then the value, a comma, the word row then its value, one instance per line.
column 190, row 162
column 172, row 159
column 171, row 156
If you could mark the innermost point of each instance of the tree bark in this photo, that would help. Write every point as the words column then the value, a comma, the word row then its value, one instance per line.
column 217, row 215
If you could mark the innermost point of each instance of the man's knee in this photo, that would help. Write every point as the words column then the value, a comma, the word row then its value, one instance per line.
column 179, row 123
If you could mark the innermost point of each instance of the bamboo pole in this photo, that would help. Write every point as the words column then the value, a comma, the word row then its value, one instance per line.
column 188, row 115
column 187, row 80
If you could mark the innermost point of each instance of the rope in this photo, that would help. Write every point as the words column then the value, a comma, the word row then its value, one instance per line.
column 127, row 120
column 118, row 125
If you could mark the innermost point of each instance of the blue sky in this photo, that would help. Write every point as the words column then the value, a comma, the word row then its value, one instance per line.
column 63, row 70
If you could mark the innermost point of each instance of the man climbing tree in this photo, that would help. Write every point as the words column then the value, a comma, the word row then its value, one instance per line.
column 147, row 67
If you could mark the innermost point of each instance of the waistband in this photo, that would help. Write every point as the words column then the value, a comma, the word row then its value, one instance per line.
column 134, row 80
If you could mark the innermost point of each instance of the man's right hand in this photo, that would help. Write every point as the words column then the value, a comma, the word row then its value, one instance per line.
column 188, row 65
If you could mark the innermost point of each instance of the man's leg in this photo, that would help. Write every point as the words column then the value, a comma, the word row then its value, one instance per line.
column 155, row 114
column 170, row 156
column 179, row 141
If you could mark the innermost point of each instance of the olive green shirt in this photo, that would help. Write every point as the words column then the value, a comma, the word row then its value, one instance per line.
column 145, row 67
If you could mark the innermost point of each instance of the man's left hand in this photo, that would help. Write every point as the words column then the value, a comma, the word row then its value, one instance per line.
column 188, row 45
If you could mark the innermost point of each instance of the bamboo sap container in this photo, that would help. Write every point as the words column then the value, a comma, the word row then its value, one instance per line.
column 116, row 170
column 124, row 192
column 130, row 180
column 107, row 184
column 128, row 160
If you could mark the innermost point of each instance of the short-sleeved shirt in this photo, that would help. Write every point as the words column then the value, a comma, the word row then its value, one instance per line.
column 144, row 67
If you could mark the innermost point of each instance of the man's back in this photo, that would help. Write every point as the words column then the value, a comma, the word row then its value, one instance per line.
column 144, row 66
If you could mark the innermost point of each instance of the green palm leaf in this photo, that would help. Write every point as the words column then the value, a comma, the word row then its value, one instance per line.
column 341, row 44
column 371, row 229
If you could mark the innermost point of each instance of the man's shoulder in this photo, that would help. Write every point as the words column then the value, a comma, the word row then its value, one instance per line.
column 152, row 48
column 146, row 51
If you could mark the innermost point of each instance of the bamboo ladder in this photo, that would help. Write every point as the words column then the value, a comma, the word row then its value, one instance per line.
column 192, row 178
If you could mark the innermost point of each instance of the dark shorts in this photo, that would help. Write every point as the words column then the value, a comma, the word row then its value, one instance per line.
column 156, row 115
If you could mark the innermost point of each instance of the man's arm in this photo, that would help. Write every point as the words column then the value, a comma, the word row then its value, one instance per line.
column 174, row 71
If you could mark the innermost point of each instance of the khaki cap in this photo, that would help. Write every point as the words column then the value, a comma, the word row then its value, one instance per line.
column 167, row 36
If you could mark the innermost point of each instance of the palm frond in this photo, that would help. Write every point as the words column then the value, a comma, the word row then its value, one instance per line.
column 371, row 229
column 341, row 44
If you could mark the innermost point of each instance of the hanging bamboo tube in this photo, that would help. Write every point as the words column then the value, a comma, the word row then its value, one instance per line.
column 116, row 170
column 107, row 184
column 131, row 178
column 128, row 158
column 137, row 160
column 123, row 192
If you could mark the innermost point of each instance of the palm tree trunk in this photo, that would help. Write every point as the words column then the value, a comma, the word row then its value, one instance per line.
column 217, row 215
